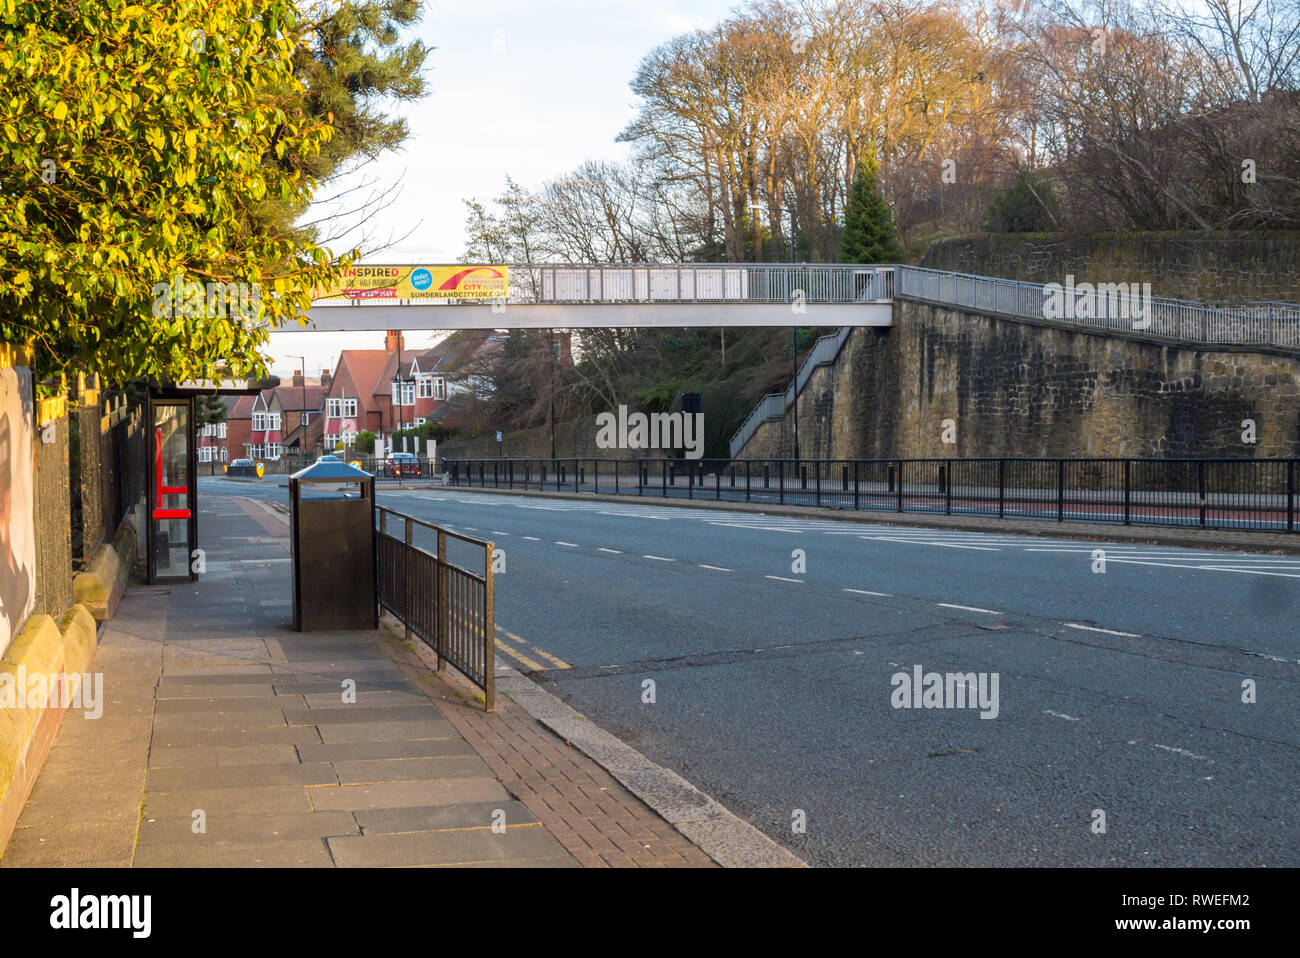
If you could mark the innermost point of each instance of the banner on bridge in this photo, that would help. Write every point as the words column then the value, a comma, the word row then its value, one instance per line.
column 420, row 282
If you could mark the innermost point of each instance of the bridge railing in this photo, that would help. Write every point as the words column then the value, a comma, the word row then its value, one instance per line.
column 701, row 283
column 1115, row 307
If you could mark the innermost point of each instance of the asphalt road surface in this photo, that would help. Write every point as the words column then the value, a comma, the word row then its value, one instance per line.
column 1119, row 734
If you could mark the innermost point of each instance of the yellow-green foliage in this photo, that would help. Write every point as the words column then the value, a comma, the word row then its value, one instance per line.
column 135, row 140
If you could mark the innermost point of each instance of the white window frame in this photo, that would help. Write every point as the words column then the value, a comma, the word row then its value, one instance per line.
column 440, row 388
column 221, row 429
column 334, row 408
column 349, row 409
column 259, row 422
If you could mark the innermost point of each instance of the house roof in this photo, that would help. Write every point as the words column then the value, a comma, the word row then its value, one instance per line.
column 242, row 408
column 291, row 398
column 365, row 368
column 457, row 349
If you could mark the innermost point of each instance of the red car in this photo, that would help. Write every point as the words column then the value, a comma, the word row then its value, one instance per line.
column 402, row 464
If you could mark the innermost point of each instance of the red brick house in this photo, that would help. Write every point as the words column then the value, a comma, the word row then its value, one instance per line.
column 361, row 394
column 277, row 418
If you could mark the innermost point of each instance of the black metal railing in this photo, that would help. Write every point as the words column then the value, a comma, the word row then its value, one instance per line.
column 1243, row 494
column 446, row 605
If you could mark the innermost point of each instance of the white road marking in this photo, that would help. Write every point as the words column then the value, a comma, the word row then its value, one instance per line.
column 781, row 578
column 1089, row 628
column 498, row 532
column 970, row 608
column 883, row 595
column 1060, row 715
column 532, row 538
column 612, row 551
column 571, row 545
column 715, row 568
column 632, row 515
column 658, row 558
column 1182, row 751
column 927, row 542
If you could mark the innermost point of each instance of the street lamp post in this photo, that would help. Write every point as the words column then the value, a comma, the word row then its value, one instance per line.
column 794, row 330
column 302, row 413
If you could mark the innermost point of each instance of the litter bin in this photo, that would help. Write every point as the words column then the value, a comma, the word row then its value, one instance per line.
column 333, row 534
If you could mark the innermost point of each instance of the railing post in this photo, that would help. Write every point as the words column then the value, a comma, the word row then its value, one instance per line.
column 1002, row 488
column 717, row 484
column 443, row 613
column 577, row 475
column 747, row 481
column 780, row 479
column 1060, row 490
column 900, row 485
column 1200, row 487
column 408, row 538
column 1128, row 492
column 857, row 495
column 1290, row 496
column 945, row 483
column 489, row 631
column 663, row 478
column 818, row 467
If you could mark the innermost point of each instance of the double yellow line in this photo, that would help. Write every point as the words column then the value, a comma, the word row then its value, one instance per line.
column 531, row 664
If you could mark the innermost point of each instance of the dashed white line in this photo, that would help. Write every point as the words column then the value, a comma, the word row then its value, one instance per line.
column 532, row 538
column 883, row 595
column 1060, row 715
column 611, row 551
column 658, row 559
column 498, row 532
column 1090, row 628
column 969, row 608
column 570, row 545
column 1181, row 751
column 781, row 578
column 715, row 568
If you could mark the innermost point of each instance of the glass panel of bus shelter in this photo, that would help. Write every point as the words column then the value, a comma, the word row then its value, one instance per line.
column 172, row 509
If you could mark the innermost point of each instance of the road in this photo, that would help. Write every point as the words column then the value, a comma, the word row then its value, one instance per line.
column 1118, row 692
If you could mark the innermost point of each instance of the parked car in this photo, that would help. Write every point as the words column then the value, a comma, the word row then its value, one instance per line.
column 401, row 464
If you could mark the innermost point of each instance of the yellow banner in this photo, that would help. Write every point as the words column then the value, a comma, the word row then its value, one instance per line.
column 421, row 282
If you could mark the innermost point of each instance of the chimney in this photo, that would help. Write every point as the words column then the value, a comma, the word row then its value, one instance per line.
column 326, row 379
column 393, row 341
column 298, row 379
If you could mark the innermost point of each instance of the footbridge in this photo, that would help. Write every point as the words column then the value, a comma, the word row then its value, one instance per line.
column 377, row 297
column 568, row 296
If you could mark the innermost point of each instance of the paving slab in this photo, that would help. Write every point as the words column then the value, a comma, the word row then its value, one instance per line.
column 411, row 769
column 408, row 794
column 466, row 846
column 432, row 818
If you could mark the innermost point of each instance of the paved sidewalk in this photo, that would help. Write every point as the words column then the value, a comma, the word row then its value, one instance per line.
column 225, row 740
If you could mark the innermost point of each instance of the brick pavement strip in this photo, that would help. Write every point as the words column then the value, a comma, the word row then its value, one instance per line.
column 596, row 819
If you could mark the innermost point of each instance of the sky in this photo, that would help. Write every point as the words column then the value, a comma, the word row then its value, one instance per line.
column 525, row 88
